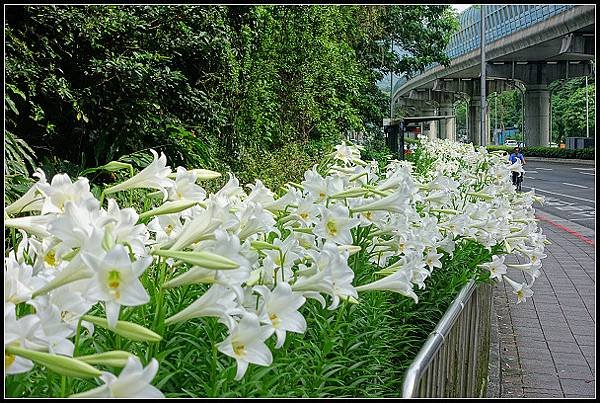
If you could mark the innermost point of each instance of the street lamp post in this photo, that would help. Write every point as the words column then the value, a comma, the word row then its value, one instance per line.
column 483, row 133
column 587, row 110
column 496, row 117
column 392, row 86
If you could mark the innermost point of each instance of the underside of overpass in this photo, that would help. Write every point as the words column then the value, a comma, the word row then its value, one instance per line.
column 545, row 44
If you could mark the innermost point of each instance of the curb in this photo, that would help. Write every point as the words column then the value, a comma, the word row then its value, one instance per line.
column 563, row 160
column 493, row 384
column 573, row 226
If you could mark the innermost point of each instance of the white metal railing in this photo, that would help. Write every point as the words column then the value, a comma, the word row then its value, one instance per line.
column 454, row 360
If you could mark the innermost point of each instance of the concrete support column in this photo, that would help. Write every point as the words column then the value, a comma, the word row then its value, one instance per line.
column 475, row 124
column 537, row 115
column 433, row 129
column 447, row 126
column 474, row 121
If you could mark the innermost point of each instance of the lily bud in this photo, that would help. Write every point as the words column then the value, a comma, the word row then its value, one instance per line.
column 205, row 174
column 354, row 192
column 58, row 363
column 116, row 166
column 352, row 249
column 169, row 207
column 260, row 245
column 481, row 195
column 130, row 331
column 110, row 358
column 207, row 260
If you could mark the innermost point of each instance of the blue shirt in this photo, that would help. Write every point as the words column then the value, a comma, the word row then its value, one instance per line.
column 513, row 158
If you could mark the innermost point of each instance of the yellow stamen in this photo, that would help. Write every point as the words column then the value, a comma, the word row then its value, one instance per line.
column 239, row 350
column 114, row 279
column 50, row 258
column 274, row 320
column 331, row 228
column 9, row 359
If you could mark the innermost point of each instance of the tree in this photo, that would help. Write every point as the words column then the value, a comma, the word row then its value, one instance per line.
column 203, row 83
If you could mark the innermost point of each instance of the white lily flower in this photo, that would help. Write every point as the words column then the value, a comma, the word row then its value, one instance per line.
column 517, row 166
column 133, row 381
column 124, row 228
column 318, row 187
column 185, row 187
column 55, row 331
column 81, row 226
column 280, row 310
column 35, row 224
column 116, row 281
column 217, row 302
column 496, row 267
column 432, row 260
column 246, row 344
column 399, row 281
column 166, row 227
column 154, row 176
column 522, row 291
column 335, row 225
column 61, row 190
column 32, row 200
column 18, row 281
column 25, row 332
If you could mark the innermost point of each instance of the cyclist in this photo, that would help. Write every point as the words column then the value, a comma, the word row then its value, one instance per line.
column 513, row 158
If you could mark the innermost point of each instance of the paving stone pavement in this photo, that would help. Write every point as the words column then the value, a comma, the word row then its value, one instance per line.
column 545, row 347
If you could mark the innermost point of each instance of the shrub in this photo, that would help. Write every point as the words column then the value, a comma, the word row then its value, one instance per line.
column 551, row 152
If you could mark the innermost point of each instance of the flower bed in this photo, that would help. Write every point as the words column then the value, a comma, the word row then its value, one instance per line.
column 325, row 288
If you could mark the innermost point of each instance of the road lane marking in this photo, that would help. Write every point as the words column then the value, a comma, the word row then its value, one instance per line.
column 574, row 185
column 532, row 172
column 561, row 194
column 585, row 169
column 575, row 219
column 587, row 173
column 569, row 208
column 545, row 169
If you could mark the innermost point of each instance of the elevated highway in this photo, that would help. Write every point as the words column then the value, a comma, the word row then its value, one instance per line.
column 527, row 48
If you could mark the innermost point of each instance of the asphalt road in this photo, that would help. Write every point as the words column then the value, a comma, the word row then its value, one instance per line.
column 569, row 189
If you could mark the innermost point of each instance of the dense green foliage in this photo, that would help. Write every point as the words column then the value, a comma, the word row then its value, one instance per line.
column 551, row 152
column 209, row 85
column 568, row 108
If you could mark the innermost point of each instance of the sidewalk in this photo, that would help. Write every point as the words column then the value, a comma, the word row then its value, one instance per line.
column 545, row 347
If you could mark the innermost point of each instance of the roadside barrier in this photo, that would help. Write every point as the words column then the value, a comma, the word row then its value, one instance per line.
column 453, row 362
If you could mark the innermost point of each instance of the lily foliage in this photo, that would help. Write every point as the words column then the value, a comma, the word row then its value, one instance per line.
column 260, row 254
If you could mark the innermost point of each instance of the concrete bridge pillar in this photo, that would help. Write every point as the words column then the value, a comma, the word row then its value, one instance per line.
column 537, row 115
column 475, row 124
column 432, row 133
column 448, row 126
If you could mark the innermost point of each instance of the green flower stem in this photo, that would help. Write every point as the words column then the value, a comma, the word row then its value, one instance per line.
column 158, row 324
column 213, row 365
column 102, row 195
column 63, row 386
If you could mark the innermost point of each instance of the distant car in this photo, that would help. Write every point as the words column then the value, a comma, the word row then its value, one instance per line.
column 510, row 143
column 553, row 145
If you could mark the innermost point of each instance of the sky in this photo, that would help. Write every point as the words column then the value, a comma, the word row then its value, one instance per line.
column 461, row 7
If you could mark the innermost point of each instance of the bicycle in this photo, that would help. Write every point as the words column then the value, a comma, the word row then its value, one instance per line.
column 518, row 182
